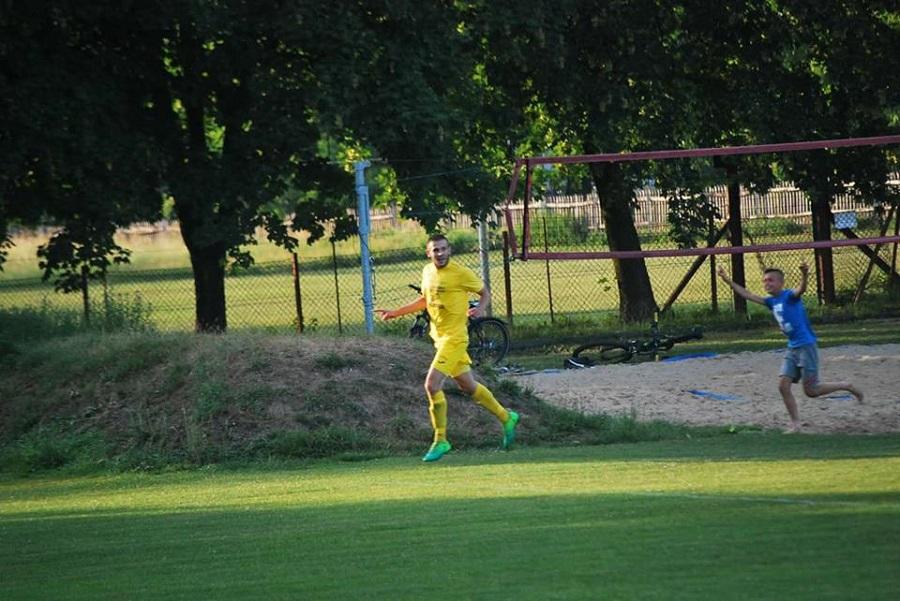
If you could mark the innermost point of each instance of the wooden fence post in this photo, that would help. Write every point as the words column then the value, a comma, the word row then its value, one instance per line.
column 85, row 298
column 547, row 267
column 507, row 280
column 337, row 288
column 298, row 299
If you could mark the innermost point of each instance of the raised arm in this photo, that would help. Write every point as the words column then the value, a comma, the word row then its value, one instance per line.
column 740, row 290
column 804, row 279
column 413, row 307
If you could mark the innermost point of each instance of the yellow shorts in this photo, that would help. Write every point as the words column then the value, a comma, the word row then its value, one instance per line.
column 452, row 358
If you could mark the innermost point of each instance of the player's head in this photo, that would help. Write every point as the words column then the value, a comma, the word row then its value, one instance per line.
column 438, row 250
column 773, row 280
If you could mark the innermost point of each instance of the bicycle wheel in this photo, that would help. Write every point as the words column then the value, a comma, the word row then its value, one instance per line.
column 488, row 341
column 599, row 352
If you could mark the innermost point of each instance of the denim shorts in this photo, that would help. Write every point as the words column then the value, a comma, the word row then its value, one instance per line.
column 801, row 361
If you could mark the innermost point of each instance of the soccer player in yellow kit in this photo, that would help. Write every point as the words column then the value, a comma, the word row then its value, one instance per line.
column 446, row 286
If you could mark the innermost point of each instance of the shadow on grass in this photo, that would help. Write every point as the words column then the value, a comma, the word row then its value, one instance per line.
column 750, row 445
column 672, row 546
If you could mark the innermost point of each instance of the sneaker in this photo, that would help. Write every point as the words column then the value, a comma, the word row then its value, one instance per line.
column 509, row 429
column 437, row 450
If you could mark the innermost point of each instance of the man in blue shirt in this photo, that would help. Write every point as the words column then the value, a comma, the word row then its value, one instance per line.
column 802, row 355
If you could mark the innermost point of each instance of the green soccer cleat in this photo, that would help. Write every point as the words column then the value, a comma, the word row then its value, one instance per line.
column 509, row 429
column 437, row 450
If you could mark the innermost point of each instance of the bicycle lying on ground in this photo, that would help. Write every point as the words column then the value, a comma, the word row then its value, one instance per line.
column 619, row 350
column 488, row 336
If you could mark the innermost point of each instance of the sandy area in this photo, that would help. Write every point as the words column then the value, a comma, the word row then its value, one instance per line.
column 739, row 389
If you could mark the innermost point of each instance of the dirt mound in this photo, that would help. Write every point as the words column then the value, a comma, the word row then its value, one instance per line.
column 208, row 398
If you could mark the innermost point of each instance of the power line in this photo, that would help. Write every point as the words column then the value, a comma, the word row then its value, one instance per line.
column 438, row 174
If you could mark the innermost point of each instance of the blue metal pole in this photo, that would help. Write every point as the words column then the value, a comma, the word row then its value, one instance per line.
column 362, row 196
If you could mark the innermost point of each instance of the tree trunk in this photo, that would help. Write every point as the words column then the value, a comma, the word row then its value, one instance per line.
column 636, row 302
column 209, row 289
column 208, row 264
column 821, row 226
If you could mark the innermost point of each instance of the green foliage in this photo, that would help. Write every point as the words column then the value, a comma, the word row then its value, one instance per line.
column 463, row 241
column 115, row 313
column 558, row 230
column 6, row 243
column 323, row 442
column 119, row 313
column 79, row 254
column 38, row 323
column 241, row 121
column 211, row 398
column 334, row 361
column 690, row 217
column 52, row 448
column 213, row 395
column 402, row 427
column 774, row 226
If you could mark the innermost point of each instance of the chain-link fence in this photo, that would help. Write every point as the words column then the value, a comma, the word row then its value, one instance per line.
column 560, row 290
column 324, row 294
column 573, row 224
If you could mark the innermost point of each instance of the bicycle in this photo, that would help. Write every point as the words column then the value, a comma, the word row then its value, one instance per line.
column 620, row 350
column 488, row 336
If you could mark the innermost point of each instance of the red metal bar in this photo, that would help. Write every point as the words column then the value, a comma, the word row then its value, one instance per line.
column 616, row 157
column 721, row 250
column 509, row 228
column 514, row 182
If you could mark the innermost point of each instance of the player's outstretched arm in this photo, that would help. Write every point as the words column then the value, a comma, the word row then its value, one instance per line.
column 740, row 290
column 804, row 279
column 413, row 307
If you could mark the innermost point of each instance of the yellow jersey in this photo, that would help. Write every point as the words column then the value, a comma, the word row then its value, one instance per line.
column 447, row 291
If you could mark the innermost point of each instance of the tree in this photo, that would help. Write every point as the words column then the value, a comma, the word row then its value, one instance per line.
column 726, row 50
column 418, row 107
column 604, row 73
column 621, row 76
column 79, row 164
column 230, row 102
column 218, row 102
column 835, row 85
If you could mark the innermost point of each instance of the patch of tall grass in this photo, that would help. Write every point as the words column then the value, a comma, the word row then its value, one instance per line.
column 53, row 447
column 114, row 313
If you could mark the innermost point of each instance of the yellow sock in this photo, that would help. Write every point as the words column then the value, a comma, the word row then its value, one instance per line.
column 437, row 408
column 486, row 399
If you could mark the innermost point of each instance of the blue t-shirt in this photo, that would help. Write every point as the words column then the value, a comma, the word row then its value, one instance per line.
column 791, row 316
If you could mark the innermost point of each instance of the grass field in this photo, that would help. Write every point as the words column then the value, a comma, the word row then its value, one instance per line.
column 747, row 516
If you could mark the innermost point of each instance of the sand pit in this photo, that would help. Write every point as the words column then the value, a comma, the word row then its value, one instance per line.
column 737, row 389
